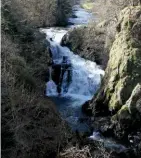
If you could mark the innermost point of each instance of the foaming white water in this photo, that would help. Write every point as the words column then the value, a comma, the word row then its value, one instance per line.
column 51, row 86
column 56, row 34
column 86, row 75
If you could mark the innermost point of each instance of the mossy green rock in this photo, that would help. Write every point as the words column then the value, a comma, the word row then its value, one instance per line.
column 129, row 116
column 124, row 66
column 134, row 102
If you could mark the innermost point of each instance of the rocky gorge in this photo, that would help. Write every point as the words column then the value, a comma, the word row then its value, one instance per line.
column 116, row 108
column 118, row 100
column 84, row 111
column 120, row 90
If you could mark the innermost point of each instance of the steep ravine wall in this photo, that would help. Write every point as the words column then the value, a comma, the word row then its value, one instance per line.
column 123, row 70
column 120, row 92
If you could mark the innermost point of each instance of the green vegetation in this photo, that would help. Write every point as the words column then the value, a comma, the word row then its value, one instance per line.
column 88, row 5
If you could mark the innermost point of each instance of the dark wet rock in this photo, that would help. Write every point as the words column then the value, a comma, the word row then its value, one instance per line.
column 115, row 148
column 86, row 109
column 56, row 74
column 135, row 142
column 101, row 121
column 65, row 40
column 74, row 16
column 103, row 124
column 107, row 130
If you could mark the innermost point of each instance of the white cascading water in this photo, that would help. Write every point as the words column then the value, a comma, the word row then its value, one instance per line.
column 86, row 79
column 86, row 75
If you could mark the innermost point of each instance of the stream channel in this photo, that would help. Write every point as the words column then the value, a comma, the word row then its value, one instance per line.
column 85, row 80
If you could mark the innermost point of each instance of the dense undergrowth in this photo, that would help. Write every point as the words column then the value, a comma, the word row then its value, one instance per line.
column 31, row 126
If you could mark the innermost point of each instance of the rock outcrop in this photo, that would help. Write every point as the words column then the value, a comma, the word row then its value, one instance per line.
column 88, row 42
column 128, row 117
column 120, row 94
column 123, row 72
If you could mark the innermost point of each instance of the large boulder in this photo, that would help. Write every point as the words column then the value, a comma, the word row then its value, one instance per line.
column 88, row 42
column 123, row 72
column 134, row 102
column 128, row 117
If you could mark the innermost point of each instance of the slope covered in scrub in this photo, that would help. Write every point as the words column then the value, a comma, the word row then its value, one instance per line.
column 31, row 125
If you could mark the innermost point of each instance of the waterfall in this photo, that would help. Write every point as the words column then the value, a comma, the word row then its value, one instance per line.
column 85, row 81
column 51, row 88
column 78, row 79
column 85, row 74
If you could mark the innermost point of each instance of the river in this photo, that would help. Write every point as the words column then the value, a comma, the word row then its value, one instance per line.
column 85, row 79
column 86, row 75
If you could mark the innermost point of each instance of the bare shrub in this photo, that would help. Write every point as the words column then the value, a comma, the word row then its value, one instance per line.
column 31, row 126
column 38, row 13
column 96, row 151
column 108, row 11
column 75, row 152
column 101, row 152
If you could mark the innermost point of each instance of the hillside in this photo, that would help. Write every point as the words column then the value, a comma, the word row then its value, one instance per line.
column 31, row 125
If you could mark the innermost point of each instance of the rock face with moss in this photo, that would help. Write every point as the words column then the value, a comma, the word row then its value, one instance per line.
column 128, row 117
column 123, row 72
column 120, row 93
column 88, row 42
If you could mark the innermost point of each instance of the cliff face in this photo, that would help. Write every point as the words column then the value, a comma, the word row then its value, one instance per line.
column 123, row 72
column 120, row 93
